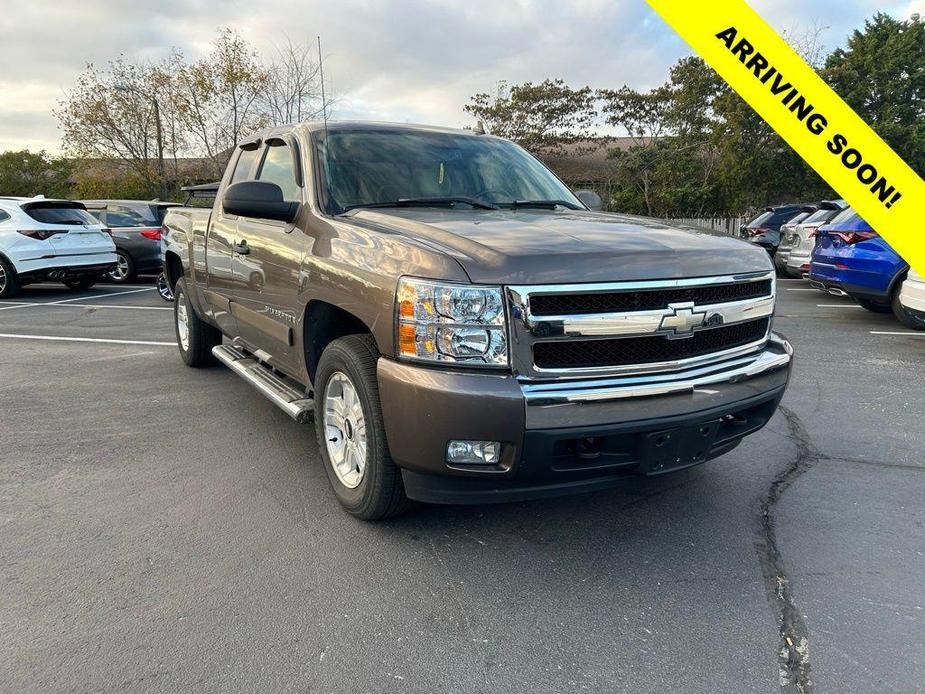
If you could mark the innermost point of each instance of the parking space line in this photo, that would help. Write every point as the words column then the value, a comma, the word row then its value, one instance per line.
column 802, row 289
column 838, row 306
column 129, row 308
column 87, row 298
column 57, row 305
column 76, row 298
column 55, row 338
column 891, row 332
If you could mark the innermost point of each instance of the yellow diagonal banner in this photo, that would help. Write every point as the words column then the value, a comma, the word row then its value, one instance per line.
column 785, row 91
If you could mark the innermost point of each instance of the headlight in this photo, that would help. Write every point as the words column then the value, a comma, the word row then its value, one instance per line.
column 444, row 322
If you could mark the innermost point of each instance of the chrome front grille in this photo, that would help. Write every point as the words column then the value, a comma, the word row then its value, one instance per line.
column 649, row 299
column 562, row 331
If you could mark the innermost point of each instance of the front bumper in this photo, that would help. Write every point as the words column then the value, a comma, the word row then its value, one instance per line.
column 564, row 437
column 912, row 295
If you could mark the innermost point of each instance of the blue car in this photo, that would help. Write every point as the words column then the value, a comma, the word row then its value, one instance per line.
column 851, row 259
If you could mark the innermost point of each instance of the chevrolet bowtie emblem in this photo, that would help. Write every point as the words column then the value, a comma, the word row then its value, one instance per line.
column 682, row 321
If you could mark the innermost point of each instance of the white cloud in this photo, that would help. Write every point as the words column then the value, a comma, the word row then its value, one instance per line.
column 397, row 60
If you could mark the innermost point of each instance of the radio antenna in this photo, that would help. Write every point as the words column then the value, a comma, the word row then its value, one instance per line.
column 324, row 102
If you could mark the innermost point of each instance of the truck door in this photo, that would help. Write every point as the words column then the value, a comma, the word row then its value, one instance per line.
column 267, row 261
column 220, row 283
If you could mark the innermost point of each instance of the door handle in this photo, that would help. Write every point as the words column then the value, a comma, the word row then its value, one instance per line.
column 242, row 248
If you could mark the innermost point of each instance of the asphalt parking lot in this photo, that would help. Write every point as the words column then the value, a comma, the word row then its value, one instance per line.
column 164, row 529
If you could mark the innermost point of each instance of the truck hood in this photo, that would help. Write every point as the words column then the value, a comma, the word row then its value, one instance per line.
column 555, row 246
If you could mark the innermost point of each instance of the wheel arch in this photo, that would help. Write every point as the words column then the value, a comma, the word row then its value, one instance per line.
column 173, row 268
column 322, row 323
column 12, row 266
column 897, row 281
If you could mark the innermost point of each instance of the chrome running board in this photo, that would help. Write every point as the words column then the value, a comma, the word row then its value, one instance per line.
column 289, row 399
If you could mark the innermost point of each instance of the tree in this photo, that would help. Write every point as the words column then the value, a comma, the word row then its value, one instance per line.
column 220, row 97
column 543, row 117
column 292, row 92
column 698, row 149
column 673, row 159
column 881, row 75
column 26, row 174
column 109, row 114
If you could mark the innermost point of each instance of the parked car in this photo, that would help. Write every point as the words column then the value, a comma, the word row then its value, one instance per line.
column 786, row 231
column 851, row 259
column 910, row 305
column 797, row 247
column 464, row 327
column 51, row 240
column 764, row 230
column 136, row 230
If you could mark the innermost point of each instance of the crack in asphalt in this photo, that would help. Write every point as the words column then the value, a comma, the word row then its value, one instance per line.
column 793, row 649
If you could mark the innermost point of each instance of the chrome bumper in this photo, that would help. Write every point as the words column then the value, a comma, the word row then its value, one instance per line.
column 658, row 395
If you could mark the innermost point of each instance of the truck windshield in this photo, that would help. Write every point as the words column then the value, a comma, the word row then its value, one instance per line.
column 379, row 168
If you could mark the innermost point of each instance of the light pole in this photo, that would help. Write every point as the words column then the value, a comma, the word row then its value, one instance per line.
column 160, row 137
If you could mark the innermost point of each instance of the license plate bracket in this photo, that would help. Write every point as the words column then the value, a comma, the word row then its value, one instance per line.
column 674, row 449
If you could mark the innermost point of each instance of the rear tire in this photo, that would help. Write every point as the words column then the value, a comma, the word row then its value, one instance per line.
column 9, row 282
column 376, row 491
column 124, row 271
column 195, row 337
column 874, row 307
column 906, row 317
column 82, row 283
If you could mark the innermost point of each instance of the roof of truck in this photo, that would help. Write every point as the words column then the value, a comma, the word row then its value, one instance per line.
column 317, row 125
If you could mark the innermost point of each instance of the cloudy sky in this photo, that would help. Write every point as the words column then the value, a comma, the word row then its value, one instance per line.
column 393, row 60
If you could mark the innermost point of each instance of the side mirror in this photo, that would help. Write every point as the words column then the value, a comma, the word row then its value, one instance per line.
column 590, row 199
column 260, row 200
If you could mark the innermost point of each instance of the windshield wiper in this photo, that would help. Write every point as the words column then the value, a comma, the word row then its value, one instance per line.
column 550, row 204
column 424, row 202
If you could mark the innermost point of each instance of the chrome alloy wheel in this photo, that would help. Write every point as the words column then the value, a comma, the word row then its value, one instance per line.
column 120, row 272
column 3, row 279
column 345, row 430
column 182, row 323
column 163, row 287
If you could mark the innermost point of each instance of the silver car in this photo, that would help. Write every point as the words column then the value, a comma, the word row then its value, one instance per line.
column 786, row 232
column 800, row 242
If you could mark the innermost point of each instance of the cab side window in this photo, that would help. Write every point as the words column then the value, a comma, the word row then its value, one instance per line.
column 3, row 216
column 279, row 167
column 244, row 166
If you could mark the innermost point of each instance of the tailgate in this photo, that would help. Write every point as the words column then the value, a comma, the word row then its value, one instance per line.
column 72, row 230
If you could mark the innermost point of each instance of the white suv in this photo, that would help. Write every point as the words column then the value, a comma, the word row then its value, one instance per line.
column 56, row 240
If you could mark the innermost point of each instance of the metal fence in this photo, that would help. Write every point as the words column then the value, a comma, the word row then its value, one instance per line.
column 724, row 225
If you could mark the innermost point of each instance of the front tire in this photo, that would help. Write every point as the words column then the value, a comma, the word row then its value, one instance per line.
column 350, row 431
column 9, row 282
column 195, row 337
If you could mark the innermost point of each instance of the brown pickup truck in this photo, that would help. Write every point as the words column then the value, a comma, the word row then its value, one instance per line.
column 463, row 327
